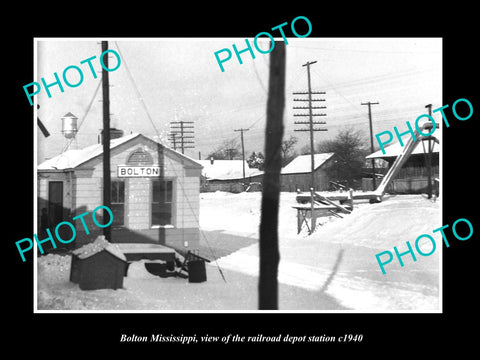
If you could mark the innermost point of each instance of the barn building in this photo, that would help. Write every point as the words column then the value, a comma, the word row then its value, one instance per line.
column 413, row 176
column 227, row 175
column 296, row 175
column 154, row 192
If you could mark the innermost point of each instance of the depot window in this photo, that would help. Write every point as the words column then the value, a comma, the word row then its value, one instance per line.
column 162, row 198
column 118, row 203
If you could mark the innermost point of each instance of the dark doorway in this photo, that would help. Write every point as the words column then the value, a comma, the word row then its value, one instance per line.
column 55, row 201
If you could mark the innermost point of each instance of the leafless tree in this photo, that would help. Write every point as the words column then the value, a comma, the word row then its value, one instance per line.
column 288, row 146
column 227, row 150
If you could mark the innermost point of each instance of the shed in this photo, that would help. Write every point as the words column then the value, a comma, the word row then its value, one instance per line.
column 98, row 265
column 297, row 174
column 226, row 175
column 413, row 176
column 155, row 192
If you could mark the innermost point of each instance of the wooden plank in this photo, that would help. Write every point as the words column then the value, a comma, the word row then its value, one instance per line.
column 360, row 196
column 299, row 221
column 321, row 197
column 138, row 251
column 318, row 207
column 335, row 214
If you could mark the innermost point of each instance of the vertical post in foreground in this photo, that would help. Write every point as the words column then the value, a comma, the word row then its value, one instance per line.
column 269, row 252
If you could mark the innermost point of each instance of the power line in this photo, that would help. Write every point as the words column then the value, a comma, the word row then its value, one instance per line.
column 375, row 51
column 84, row 116
column 185, row 198
column 139, row 95
column 180, row 128
column 258, row 78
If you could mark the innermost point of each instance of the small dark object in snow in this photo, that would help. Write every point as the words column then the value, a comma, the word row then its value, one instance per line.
column 196, row 271
column 102, row 270
column 156, row 268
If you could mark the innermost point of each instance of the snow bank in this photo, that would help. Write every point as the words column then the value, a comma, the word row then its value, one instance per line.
column 137, row 270
column 96, row 246
column 339, row 256
column 53, row 268
column 333, row 269
column 240, row 213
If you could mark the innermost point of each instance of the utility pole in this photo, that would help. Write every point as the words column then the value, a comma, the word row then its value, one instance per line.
column 179, row 129
column 243, row 151
column 173, row 138
column 106, row 141
column 429, row 157
column 371, row 138
column 311, row 123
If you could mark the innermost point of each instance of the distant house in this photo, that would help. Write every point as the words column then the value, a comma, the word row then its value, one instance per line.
column 297, row 174
column 226, row 175
column 412, row 178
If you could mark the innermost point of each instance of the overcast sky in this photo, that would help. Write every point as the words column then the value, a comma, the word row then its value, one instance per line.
column 179, row 79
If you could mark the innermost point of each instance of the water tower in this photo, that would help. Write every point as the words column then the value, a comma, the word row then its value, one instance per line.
column 69, row 130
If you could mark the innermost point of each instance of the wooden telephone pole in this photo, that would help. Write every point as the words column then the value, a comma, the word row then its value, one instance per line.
column 371, row 138
column 243, row 151
column 311, row 123
column 180, row 128
column 106, row 141
column 173, row 138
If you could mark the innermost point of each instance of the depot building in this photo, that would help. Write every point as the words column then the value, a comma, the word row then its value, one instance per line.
column 155, row 192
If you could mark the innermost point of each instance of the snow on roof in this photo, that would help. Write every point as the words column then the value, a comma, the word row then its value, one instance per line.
column 302, row 163
column 97, row 246
column 396, row 149
column 73, row 158
column 226, row 169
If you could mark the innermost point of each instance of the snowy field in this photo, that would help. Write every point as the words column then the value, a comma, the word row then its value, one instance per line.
column 334, row 269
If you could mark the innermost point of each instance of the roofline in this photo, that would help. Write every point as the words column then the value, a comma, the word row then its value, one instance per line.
column 111, row 147
column 56, row 170
column 308, row 172
column 193, row 163
column 380, row 155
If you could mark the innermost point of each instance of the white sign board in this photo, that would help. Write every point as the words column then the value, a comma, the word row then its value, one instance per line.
column 138, row 171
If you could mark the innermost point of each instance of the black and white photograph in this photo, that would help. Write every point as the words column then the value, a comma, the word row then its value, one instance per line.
column 187, row 171
column 201, row 180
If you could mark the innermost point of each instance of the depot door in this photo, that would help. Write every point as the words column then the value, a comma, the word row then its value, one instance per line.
column 55, row 201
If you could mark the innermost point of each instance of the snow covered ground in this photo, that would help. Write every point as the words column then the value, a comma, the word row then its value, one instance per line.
column 333, row 269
